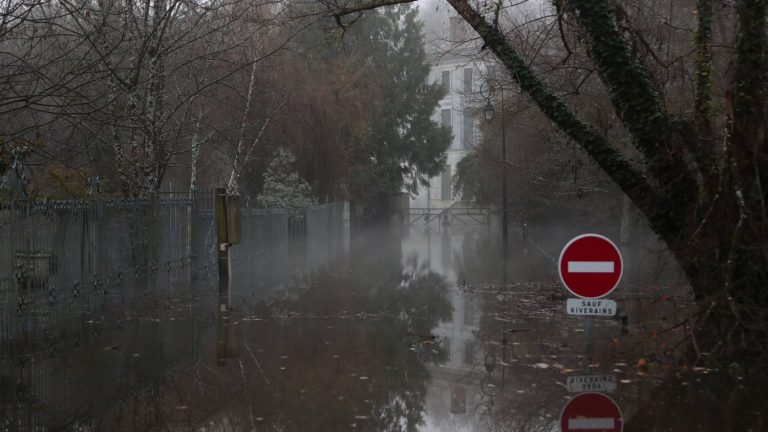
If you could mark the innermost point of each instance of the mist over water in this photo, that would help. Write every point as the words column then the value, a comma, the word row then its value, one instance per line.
column 406, row 331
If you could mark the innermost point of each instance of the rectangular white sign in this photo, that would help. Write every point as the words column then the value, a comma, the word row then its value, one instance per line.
column 586, row 383
column 590, row 423
column 595, row 307
column 590, row 266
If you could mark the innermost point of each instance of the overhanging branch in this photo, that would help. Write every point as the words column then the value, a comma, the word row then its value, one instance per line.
column 340, row 8
column 610, row 160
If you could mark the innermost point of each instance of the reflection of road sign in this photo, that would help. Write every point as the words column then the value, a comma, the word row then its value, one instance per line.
column 591, row 412
column 584, row 383
column 590, row 266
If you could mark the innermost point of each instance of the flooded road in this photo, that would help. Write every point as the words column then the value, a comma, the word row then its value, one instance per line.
column 407, row 333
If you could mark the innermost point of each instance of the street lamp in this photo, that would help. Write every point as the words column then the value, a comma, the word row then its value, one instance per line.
column 488, row 112
column 489, row 385
column 488, row 91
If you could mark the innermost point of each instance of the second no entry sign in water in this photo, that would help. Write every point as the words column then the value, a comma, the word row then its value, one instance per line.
column 590, row 266
column 591, row 412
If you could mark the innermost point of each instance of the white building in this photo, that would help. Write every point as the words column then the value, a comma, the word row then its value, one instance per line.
column 455, row 68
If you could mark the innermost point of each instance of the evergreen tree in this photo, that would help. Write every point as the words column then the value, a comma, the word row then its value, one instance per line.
column 404, row 146
column 283, row 187
column 392, row 144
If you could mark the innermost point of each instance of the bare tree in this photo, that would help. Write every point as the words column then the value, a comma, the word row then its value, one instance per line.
column 128, row 88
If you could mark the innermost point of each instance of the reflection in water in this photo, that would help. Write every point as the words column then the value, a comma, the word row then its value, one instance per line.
column 404, row 334
column 591, row 411
column 339, row 349
column 541, row 349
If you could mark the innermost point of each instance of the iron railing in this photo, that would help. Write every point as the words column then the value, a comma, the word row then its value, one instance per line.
column 68, row 266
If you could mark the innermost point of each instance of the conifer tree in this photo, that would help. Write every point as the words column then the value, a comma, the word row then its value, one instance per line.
column 283, row 187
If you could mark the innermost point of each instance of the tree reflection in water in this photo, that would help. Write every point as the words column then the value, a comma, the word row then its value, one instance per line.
column 332, row 350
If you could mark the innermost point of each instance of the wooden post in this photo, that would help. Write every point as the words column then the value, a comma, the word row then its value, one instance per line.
column 589, row 328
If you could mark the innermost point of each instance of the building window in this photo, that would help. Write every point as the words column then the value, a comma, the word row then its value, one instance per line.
column 468, row 132
column 469, row 352
column 445, row 183
column 458, row 29
column 446, row 346
column 469, row 314
column 445, row 118
column 468, row 81
column 447, row 82
column 492, row 72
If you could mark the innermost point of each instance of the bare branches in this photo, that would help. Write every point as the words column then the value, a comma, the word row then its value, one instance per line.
column 609, row 159
column 340, row 8
column 563, row 38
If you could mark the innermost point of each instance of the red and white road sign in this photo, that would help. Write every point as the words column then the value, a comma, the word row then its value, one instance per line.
column 590, row 266
column 591, row 412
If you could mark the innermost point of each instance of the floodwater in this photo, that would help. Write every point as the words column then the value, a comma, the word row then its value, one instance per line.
column 408, row 332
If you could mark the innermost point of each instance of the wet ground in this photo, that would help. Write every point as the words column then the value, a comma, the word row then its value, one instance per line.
column 414, row 332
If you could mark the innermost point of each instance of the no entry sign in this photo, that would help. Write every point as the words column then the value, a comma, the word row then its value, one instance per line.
column 590, row 266
column 591, row 412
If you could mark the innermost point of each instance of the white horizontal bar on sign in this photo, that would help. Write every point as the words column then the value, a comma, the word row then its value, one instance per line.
column 590, row 423
column 590, row 266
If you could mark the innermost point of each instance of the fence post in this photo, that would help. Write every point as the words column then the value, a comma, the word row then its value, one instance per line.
column 220, row 207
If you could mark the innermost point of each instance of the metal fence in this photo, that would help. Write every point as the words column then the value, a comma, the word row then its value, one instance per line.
column 68, row 267
column 324, row 234
column 130, row 279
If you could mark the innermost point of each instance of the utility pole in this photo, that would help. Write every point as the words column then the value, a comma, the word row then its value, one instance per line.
column 504, row 214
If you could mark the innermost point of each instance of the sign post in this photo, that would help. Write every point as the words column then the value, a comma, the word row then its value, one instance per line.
column 590, row 268
column 591, row 412
column 228, row 232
